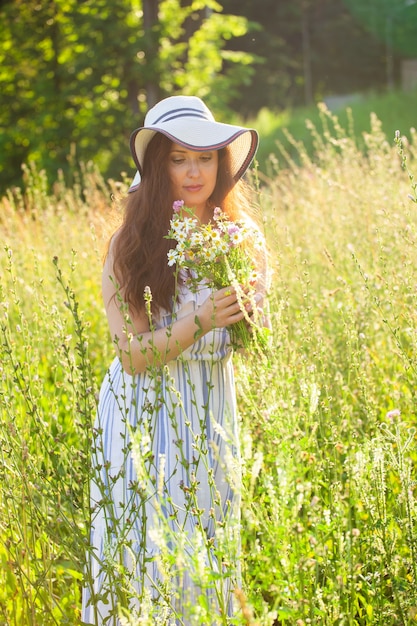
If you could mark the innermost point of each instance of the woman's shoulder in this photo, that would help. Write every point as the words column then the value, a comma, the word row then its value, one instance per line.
column 112, row 243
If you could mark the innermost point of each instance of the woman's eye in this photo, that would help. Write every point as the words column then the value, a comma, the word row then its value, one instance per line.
column 179, row 160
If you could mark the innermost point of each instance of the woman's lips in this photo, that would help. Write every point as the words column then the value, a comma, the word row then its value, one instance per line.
column 193, row 188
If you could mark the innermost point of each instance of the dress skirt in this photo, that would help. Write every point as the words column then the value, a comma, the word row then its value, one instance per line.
column 164, row 540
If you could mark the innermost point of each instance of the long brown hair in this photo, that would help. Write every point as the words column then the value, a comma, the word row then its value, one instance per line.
column 140, row 247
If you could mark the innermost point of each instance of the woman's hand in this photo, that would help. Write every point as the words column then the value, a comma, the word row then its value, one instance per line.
column 219, row 310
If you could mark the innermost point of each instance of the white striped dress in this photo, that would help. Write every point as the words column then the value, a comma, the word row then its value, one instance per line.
column 164, row 492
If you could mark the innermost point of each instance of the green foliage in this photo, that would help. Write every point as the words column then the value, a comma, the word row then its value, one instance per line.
column 393, row 21
column 307, row 52
column 77, row 74
column 202, row 72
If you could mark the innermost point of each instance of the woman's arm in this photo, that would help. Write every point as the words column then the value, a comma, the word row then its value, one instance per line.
column 138, row 346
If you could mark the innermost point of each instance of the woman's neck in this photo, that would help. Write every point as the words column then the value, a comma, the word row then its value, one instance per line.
column 204, row 214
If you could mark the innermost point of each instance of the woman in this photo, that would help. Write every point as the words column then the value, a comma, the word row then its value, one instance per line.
column 165, row 486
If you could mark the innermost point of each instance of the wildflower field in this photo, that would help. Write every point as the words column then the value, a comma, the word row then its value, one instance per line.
column 328, row 413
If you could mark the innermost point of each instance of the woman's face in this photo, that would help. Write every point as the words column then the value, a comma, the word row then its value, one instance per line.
column 193, row 176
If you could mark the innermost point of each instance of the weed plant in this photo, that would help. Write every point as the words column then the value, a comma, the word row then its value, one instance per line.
column 328, row 414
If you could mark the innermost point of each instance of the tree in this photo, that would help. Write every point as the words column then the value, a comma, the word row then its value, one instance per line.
column 151, row 44
column 310, row 48
column 393, row 22
column 193, row 51
column 83, row 73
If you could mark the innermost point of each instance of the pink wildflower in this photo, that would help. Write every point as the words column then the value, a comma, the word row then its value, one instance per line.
column 217, row 213
column 177, row 205
column 393, row 414
column 232, row 229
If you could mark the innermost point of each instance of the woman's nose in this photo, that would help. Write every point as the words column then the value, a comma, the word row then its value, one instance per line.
column 193, row 167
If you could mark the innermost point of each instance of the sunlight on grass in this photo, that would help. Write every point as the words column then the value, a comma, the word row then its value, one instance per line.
column 327, row 414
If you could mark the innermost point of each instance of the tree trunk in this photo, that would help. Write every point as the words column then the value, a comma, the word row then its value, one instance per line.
column 150, row 20
column 308, row 75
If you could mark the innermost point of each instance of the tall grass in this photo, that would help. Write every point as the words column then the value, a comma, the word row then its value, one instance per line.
column 327, row 416
column 354, row 116
column 332, row 413
column 50, row 337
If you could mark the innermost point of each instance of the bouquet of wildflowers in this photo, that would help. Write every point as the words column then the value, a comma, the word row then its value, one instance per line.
column 217, row 254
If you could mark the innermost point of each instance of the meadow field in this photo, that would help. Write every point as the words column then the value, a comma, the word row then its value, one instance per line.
column 328, row 413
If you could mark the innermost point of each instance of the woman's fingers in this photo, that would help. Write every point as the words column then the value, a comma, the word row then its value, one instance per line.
column 228, row 307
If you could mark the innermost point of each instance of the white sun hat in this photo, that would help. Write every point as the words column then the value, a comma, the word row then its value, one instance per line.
column 187, row 121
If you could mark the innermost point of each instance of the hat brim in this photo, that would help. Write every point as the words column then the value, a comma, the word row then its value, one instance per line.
column 200, row 136
column 135, row 182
